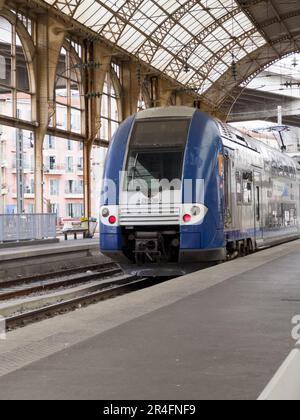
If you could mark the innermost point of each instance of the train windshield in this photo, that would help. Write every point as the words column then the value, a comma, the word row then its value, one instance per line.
column 156, row 152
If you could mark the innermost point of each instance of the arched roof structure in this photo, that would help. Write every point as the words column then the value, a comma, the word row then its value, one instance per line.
column 195, row 42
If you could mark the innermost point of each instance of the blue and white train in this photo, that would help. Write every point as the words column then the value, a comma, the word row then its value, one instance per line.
column 181, row 188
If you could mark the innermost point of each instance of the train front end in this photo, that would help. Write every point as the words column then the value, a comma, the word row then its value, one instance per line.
column 162, row 200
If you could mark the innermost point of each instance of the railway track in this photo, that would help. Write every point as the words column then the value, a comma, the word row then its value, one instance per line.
column 31, row 299
column 67, row 278
column 128, row 286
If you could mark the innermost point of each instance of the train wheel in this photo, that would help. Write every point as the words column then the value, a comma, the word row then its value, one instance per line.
column 250, row 246
column 241, row 249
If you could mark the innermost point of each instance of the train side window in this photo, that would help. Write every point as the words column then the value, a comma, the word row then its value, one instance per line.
column 274, row 168
column 280, row 170
column 267, row 166
column 286, row 171
column 257, row 204
column 247, row 187
column 239, row 196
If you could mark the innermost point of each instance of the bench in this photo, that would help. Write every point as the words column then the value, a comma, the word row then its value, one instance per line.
column 75, row 232
column 74, row 227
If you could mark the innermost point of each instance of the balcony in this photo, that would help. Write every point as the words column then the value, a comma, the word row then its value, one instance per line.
column 27, row 195
column 80, row 170
column 27, row 169
column 54, row 170
column 75, row 194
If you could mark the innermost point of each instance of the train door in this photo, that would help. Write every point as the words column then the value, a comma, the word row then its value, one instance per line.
column 258, row 220
column 227, row 192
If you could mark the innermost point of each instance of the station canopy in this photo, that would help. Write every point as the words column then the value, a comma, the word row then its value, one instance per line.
column 192, row 41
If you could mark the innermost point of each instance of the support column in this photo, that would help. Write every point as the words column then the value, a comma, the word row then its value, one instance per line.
column 164, row 93
column 182, row 99
column 87, row 151
column 94, row 83
column 50, row 37
column 131, row 89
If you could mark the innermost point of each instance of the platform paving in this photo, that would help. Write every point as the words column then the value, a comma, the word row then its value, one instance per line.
column 217, row 334
column 13, row 253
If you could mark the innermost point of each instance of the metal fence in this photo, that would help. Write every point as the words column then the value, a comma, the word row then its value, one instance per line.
column 26, row 227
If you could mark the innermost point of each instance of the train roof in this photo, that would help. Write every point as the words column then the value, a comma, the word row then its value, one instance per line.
column 166, row 112
column 232, row 137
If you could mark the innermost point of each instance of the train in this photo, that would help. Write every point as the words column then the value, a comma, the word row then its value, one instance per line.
column 182, row 188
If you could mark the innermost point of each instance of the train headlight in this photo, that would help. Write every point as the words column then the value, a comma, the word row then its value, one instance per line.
column 195, row 211
column 105, row 212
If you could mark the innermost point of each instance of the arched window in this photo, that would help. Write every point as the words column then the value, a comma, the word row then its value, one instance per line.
column 15, row 89
column 110, row 116
column 68, row 92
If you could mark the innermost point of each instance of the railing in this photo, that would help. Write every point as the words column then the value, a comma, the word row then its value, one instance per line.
column 26, row 227
column 48, row 168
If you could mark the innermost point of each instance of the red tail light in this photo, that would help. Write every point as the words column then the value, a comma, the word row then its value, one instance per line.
column 187, row 218
column 112, row 220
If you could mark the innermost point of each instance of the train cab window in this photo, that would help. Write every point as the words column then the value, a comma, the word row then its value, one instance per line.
column 156, row 152
column 160, row 133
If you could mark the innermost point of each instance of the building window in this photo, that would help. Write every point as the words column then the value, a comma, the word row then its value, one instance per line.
column 54, row 187
column 74, row 210
column 30, row 208
column 52, row 163
column 67, row 91
column 69, row 164
column 15, row 90
column 109, row 110
column 54, row 208
column 61, row 166
column 74, row 187
column 80, row 164
column 49, row 143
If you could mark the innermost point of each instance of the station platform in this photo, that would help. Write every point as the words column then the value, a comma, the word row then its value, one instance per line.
column 48, row 257
column 14, row 253
column 220, row 333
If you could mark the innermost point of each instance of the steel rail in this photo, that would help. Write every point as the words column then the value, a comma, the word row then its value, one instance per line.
column 72, row 304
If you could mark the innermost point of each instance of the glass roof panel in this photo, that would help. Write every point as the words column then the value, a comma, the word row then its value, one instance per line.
column 169, row 34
